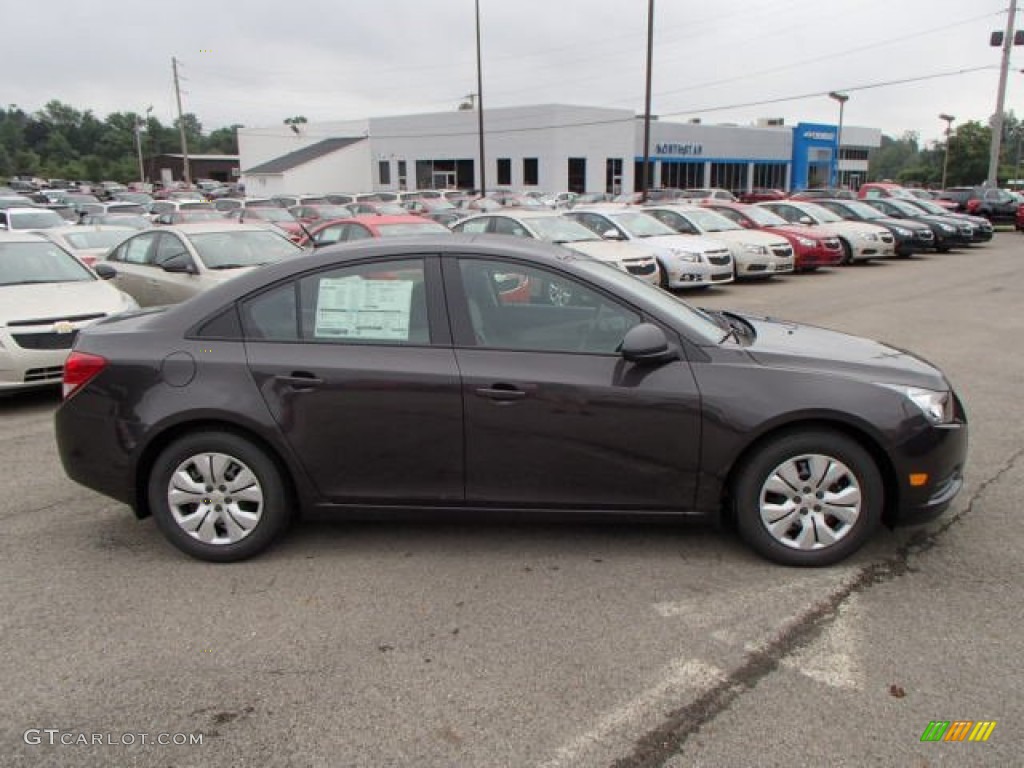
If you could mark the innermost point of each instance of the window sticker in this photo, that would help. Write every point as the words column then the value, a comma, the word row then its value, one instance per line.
column 354, row 308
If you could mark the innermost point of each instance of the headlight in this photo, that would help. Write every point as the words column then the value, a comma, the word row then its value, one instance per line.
column 936, row 406
column 688, row 256
column 760, row 250
column 868, row 236
column 902, row 232
column 806, row 242
column 947, row 228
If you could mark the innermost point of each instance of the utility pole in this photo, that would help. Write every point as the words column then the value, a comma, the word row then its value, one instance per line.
column 945, row 158
column 997, row 118
column 480, row 106
column 181, row 125
column 645, row 181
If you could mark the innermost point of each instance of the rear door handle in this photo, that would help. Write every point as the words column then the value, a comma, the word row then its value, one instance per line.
column 300, row 380
column 501, row 393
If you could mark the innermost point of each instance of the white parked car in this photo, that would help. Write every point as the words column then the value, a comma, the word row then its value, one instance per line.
column 27, row 218
column 860, row 241
column 88, row 242
column 555, row 228
column 46, row 296
column 755, row 254
column 686, row 261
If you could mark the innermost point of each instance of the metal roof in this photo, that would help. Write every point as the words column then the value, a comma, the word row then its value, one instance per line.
column 302, row 156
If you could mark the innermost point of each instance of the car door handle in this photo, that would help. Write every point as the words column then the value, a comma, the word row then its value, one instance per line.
column 300, row 380
column 501, row 393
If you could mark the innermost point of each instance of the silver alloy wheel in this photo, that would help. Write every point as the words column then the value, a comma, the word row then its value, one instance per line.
column 810, row 501
column 215, row 498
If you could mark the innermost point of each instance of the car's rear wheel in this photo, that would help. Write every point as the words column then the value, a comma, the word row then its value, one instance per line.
column 808, row 498
column 216, row 496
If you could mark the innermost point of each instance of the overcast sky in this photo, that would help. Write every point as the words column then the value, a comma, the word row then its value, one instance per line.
column 257, row 62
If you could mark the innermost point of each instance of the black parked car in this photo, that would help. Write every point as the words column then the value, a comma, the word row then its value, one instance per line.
column 983, row 229
column 434, row 374
column 910, row 236
column 994, row 204
column 949, row 232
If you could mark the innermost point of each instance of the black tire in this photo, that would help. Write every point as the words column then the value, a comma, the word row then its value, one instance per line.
column 847, row 252
column 663, row 276
column 856, row 476
column 266, row 519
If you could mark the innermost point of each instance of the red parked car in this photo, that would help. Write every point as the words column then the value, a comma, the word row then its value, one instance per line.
column 364, row 227
column 813, row 247
column 279, row 217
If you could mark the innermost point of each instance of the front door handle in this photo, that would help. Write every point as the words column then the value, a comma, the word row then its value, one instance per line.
column 300, row 380
column 501, row 392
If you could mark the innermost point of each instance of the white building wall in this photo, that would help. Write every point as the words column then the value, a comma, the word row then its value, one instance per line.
column 346, row 170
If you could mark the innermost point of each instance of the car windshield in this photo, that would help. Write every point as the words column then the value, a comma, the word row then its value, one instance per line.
column 96, row 238
column 556, row 229
column 229, row 250
column 122, row 220
column 424, row 227
column 929, row 207
column 823, row 215
column 763, row 217
column 30, row 263
column 901, row 192
column 35, row 219
column 699, row 322
column 909, row 209
column 864, row 210
column 710, row 221
column 642, row 224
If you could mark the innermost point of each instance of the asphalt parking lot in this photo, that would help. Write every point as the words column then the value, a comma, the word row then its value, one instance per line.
column 518, row 643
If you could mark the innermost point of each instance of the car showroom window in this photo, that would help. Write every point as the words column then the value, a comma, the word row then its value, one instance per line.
column 526, row 308
column 380, row 303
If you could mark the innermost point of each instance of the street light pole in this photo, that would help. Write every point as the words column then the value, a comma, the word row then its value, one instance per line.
column 480, row 106
column 997, row 118
column 645, row 181
column 945, row 160
column 138, row 144
column 842, row 98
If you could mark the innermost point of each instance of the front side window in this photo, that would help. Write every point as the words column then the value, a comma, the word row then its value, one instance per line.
column 382, row 303
column 515, row 306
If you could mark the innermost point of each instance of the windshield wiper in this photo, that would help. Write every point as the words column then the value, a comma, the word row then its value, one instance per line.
column 32, row 282
column 228, row 266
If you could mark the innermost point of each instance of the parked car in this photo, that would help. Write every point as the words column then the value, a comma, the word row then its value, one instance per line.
column 881, row 189
column 910, row 236
column 111, row 207
column 931, row 197
column 754, row 254
column 171, row 205
column 392, row 375
column 1019, row 223
column 705, row 194
column 813, row 247
column 30, row 218
column 226, row 204
column 552, row 227
column 311, row 214
column 272, row 215
column 46, row 297
column 757, row 195
column 819, row 193
column 368, row 227
column 996, row 205
column 185, row 216
column 376, row 208
column 949, row 232
column 860, row 242
column 983, row 229
column 289, row 201
column 171, row 264
column 87, row 243
column 686, row 261
column 132, row 221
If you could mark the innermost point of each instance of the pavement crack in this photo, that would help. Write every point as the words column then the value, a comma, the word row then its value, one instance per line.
column 661, row 743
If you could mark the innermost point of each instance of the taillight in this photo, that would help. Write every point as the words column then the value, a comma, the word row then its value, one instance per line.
column 79, row 369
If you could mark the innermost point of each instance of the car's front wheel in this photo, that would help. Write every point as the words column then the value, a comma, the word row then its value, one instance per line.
column 216, row 496
column 808, row 498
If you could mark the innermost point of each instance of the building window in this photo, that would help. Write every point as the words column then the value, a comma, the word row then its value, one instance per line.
column 638, row 175
column 682, row 175
column 577, row 175
column 445, row 174
column 731, row 176
column 384, row 172
column 530, row 172
column 504, row 172
column 403, row 178
column 769, row 176
column 613, row 175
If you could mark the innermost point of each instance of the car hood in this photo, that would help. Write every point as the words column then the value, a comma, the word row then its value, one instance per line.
column 610, row 250
column 60, row 300
column 856, row 227
column 690, row 243
column 910, row 224
column 750, row 237
column 792, row 345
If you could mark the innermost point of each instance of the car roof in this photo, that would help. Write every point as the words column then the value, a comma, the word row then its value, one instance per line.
column 227, row 225
column 75, row 228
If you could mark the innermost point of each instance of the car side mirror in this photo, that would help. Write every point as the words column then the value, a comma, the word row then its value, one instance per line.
column 104, row 271
column 180, row 263
column 647, row 344
column 611, row 234
column 806, row 220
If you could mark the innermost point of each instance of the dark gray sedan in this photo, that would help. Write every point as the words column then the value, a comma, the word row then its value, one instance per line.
column 435, row 374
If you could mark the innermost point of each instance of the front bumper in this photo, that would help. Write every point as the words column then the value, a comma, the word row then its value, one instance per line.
column 940, row 452
column 26, row 368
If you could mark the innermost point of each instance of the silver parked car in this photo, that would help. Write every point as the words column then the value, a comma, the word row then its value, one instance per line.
column 171, row 264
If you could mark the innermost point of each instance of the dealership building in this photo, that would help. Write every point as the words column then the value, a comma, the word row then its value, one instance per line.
column 551, row 147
